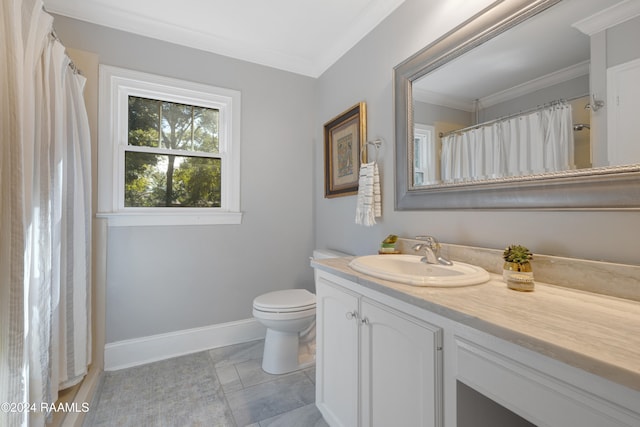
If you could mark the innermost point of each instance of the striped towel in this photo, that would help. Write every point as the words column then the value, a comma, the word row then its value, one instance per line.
column 369, row 206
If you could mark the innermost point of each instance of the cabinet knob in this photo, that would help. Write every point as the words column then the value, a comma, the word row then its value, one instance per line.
column 351, row 315
column 365, row 321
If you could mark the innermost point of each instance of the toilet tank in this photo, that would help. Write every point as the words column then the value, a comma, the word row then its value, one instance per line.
column 328, row 253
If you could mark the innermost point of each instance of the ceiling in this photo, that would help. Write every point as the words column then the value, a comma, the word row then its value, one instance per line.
column 301, row 36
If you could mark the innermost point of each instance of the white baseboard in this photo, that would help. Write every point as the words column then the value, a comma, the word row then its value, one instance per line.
column 138, row 351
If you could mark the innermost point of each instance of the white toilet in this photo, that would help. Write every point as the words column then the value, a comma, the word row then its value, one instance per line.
column 290, row 318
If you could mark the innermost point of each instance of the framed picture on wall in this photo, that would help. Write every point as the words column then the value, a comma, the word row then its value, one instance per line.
column 344, row 139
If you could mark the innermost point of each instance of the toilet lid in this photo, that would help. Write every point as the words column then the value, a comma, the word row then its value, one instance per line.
column 287, row 300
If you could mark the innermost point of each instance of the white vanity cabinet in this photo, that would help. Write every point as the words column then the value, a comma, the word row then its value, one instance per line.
column 388, row 355
column 337, row 355
column 376, row 366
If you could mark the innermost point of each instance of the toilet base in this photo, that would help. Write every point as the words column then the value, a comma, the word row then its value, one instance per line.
column 283, row 353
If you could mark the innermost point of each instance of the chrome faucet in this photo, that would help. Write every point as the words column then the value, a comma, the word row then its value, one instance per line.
column 432, row 251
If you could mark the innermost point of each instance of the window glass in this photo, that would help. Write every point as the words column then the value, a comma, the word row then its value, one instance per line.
column 159, row 178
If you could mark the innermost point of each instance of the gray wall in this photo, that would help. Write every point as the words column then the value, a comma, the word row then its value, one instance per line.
column 163, row 279
column 621, row 45
column 364, row 74
column 429, row 114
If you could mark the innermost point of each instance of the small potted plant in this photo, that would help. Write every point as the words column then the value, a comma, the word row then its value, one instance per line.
column 516, row 261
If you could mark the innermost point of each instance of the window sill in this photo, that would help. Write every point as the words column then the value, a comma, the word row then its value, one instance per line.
column 141, row 219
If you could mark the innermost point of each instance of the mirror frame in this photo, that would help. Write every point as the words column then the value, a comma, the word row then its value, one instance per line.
column 609, row 188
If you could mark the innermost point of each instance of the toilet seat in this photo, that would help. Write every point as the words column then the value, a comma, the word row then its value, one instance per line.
column 286, row 301
column 284, row 316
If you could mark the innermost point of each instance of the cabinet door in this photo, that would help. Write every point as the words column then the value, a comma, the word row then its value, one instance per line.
column 401, row 375
column 336, row 354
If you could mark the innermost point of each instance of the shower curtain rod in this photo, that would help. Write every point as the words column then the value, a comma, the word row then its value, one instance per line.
column 71, row 63
column 510, row 116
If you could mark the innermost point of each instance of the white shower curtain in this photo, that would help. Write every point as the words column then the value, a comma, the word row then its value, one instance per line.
column 532, row 143
column 44, row 215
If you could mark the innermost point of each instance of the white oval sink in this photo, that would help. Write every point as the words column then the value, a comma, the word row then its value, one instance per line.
column 408, row 269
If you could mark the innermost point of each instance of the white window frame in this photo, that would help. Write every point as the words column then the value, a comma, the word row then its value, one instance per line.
column 116, row 85
column 426, row 164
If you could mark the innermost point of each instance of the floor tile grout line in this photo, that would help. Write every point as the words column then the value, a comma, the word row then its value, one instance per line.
column 235, row 368
column 226, row 402
column 224, row 393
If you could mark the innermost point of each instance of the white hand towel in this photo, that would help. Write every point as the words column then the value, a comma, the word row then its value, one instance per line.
column 377, row 196
column 369, row 200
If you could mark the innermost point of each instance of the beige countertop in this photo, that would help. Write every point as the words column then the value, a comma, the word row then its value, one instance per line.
column 596, row 333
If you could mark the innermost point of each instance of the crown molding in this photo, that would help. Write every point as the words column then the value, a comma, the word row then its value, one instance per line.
column 122, row 20
column 311, row 64
column 609, row 17
column 560, row 76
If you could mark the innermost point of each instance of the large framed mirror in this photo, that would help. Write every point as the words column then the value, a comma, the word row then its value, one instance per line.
column 530, row 104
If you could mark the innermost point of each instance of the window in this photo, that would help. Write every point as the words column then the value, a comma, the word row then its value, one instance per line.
column 168, row 151
column 424, row 155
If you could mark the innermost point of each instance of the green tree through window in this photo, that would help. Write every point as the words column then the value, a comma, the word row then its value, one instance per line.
column 172, row 156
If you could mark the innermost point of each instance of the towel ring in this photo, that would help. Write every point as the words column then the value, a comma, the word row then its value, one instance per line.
column 376, row 143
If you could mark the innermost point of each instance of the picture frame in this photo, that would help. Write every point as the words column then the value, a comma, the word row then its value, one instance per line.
column 344, row 138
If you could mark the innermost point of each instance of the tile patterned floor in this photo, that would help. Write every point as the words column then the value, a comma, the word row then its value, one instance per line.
column 220, row 387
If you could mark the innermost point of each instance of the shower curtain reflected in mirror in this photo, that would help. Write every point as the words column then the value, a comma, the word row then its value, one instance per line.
column 532, row 143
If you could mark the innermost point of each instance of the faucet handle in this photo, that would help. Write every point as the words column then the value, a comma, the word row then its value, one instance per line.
column 433, row 255
column 432, row 241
